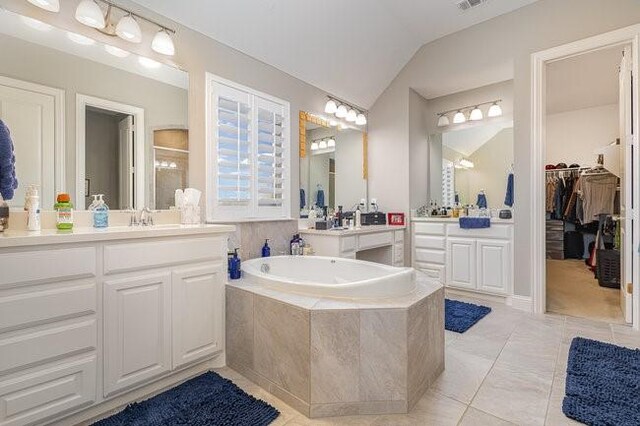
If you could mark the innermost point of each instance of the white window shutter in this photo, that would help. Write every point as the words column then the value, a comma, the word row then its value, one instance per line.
column 270, row 158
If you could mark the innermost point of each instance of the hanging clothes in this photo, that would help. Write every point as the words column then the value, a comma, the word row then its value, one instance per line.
column 558, row 199
column 320, row 197
column 550, row 193
column 303, row 198
column 8, row 179
column 508, row 198
column 598, row 193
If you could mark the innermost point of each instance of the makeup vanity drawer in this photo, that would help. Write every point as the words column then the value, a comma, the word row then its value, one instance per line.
column 429, row 228
column 366, row 241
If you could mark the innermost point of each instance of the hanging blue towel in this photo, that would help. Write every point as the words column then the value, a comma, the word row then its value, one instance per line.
column 8, row 180
column 303, row 198
column 474, row 222
column 482, row 200
column 508, row 198
column 320, row 198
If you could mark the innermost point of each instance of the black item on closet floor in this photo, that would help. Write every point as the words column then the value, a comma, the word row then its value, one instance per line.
column 573, row 245
column 608, row 268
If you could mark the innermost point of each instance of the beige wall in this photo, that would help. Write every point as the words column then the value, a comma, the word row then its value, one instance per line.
column 496, row 50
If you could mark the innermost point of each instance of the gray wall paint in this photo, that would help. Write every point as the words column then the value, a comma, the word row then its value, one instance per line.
column 493, row 51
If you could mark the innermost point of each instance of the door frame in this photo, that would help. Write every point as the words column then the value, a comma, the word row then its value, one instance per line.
column 139, row 141
column 628, row 35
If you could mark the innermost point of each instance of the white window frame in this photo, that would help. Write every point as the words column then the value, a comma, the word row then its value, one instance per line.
column 225, row 213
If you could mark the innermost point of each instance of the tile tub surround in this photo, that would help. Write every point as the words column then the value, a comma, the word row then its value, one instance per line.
column 329, row 357
column 249, row 237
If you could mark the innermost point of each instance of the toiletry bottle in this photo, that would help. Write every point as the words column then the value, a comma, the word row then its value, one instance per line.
column 32, row 206
column 4, row 215
column 339, row 217
column 358, row 218
column 266, row 250
column 293, row 241
column 301, row 244
column 100, row 213
column 64, row 212
column 234, row 266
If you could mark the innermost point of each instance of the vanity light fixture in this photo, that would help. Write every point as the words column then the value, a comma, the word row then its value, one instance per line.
column 459, row 118
column 116, row 51
column 352, row 116
column 495, row 110
column 476, row 114
column 35, row 24
column 89, row 13
column 48, row 5
column 148, row 63
column 443, row 120
column 467, row 164
column 80, row 39
column 331, row 142
column 128, row 29
column 331, row 107
column 162, row 43
column 314, row 146
column 361, row 119
column 343, row 126
column 323, row 144
column 342, row 111
column 333, row 123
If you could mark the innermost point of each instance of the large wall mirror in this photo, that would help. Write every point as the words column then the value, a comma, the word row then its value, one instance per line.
column 89, row 118
column 333, row 165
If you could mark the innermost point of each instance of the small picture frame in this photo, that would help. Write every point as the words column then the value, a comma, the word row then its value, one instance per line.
column 395, row 219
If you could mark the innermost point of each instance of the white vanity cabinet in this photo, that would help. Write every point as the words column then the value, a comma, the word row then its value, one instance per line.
column 479, row 260
column 82, row 324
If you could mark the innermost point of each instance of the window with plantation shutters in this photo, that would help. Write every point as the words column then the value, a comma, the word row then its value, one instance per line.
column 248, row 143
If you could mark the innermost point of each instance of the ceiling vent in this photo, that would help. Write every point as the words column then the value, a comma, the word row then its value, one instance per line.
column 465, row 5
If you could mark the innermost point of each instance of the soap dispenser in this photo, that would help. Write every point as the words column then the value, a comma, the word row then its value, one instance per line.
column 266, row 250
column 100, row 212
column 234, row 266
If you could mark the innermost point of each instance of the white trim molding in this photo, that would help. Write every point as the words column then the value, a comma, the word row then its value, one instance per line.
column 522, row 303
column 629, row 35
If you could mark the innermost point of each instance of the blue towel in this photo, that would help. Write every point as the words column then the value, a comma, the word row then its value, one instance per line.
column 8, row 180
column 508, row 198
column 320, row 198
column 474, row 222
column 482, row 200
column 303, row 198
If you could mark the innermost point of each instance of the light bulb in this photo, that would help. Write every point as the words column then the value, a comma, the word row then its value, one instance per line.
column 164, row 164
column 148, row 63
column 48, row 5
column 323, row 144
column 443, row 121
column 314, row 146
column 352, row 115
column 173, row 165
column 35, row 24
column 333, row 123
column 89, row 13
column 495, row 110
column 80, row 39
column 361, row 119
column 343, row 126
column 331, row 107
column 331, row 142
column 128, row 29
column 341, row 112
column 459, row 118
column 116, row 51
column 162, row 43
column 476, row 114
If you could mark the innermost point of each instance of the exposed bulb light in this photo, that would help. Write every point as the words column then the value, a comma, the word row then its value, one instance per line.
column 459, row 118
column 80, row 39
column 343, row 126
column 116, row 51
column 323, row 144
column 162, row 43
column 331, row 107
column 476, row 114
column 156, row 163
column 331, row 142
column 48, row 5
column 35, row 24
column 361, row 119
column 89, row 13
column 129, row 30
column 173, row 165
column 314, row 146
column 352, row 115
column 495, row 110
column 148, row 63
column 443, row 121
column 164, row 164
column 467, row 164
column 342, row 111
column 333, row 123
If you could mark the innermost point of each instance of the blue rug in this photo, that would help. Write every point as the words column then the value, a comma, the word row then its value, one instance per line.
column 603, row 384
column 461, row 316
column 202, row 401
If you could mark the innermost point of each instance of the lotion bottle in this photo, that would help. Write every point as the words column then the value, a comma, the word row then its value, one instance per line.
column 32, row 206
column 358, row 218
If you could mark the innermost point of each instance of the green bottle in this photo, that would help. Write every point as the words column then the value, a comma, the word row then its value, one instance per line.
column 64, row 212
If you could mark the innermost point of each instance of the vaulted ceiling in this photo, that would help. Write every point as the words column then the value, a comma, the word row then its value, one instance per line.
column 350, row 48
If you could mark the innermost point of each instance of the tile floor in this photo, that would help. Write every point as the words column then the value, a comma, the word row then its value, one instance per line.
column 508, row 369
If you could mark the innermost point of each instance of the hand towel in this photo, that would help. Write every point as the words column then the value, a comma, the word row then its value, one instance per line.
column 508, row 198
column 8, row 180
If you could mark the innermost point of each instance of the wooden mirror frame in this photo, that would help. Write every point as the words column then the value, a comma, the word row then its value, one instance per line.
column 305, row 117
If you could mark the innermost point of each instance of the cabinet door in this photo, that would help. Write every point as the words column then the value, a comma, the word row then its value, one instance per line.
column 198, row 312
column 137, row 315
column 494, row 265
column 461, row 262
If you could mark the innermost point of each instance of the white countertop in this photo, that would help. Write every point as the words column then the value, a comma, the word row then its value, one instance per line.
column 455, row 220
column 17, row 238
column 343, row 232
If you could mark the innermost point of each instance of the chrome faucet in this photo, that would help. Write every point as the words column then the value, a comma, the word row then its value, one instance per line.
column 146, row 219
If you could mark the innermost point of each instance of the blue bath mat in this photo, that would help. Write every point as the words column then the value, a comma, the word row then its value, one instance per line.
column 202, row 401
column 461, row 316
column 603, row 384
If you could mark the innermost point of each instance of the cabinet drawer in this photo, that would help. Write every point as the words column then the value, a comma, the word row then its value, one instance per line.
column 347, row 244
column 36, row 396
column 430, row 242
column 47, row 265
column 429, row 228
column 366, row 241
column 430, row 256
column 434, row 272
column 495, row 231
column 21, row 310
column 46, row 343
column 151, row 254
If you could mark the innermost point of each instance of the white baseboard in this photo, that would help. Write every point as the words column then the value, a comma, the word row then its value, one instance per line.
column 523, row 303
